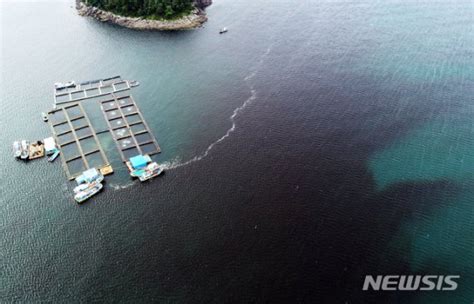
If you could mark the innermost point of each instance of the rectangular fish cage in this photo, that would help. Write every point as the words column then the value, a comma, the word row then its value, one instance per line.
column 128, row 127
column 77, row 140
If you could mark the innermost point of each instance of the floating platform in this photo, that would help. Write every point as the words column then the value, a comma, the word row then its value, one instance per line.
column 89, row 89
column 77, row 140
column 128, row 128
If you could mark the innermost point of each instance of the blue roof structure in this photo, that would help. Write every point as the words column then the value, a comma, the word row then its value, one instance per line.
column 138, row 161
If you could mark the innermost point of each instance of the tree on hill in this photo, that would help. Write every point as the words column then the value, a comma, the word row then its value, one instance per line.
column 153, row 9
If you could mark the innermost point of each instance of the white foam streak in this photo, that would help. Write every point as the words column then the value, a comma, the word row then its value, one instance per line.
column 253, row 95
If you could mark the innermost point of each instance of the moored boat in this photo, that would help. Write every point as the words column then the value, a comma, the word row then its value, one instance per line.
column 44, row 116
column 143, row 167
column 152, row 170
column 60, row 85
column 90, row 176
column 25, row 152
column 50, row 145
column 16, row 149
column 70, row 84
column 87, row 193
column 134, row 83
column 82, row 187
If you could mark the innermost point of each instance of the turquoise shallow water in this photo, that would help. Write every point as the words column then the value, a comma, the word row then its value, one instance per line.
column 311, row 145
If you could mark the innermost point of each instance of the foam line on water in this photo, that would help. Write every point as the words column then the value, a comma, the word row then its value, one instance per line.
column 253, row 95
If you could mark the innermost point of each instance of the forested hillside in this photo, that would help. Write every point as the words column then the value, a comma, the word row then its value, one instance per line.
column 153, row 9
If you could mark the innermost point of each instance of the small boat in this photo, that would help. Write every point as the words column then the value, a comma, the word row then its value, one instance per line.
column 60, row 85
column 54, row 156
column 143, row 167
column 25, row 149
column 16, row 149
column 83, row 195
column 151, row 171
column 137, row 164
column 44, row 116
column 223, row 30
column 50, row 145
column 90, row 176
column 82, row 187
column 134, row 83
column 70, row 84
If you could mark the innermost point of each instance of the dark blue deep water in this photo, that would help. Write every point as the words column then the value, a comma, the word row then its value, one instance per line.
column 314, row 143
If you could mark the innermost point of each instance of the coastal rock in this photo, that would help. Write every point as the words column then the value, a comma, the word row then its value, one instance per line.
column 202, row 3
column 195, row 19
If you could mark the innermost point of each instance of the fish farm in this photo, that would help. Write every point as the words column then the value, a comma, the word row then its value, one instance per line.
column 129, row 130
column 81, row 112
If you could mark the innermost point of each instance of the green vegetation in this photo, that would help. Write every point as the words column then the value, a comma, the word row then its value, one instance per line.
column 150, row 9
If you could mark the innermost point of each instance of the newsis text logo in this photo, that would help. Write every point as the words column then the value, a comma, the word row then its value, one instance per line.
column 410, row 282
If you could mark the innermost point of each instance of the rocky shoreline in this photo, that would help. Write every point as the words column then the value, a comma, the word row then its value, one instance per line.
column 191, row 21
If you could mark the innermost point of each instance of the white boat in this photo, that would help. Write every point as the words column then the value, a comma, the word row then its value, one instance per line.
column 82, row 187
column 60, row 85
column 70, row 84
column 16, row 149
column 25, row 149
column 150, row 171
column 44, row 116
column 82, row 196
column 223, row 30
column 50, row 145
column 134, row 83
column 89, row 176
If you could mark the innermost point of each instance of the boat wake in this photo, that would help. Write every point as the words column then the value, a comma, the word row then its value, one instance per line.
column 176, row 163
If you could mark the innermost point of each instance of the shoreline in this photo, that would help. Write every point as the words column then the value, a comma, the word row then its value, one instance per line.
column 194, row 20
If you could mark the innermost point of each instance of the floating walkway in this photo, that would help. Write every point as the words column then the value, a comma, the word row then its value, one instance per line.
column 89, row 89
column 77, row 140
column 128, row 128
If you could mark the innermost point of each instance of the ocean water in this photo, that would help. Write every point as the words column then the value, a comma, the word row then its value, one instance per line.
column 313, row 144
